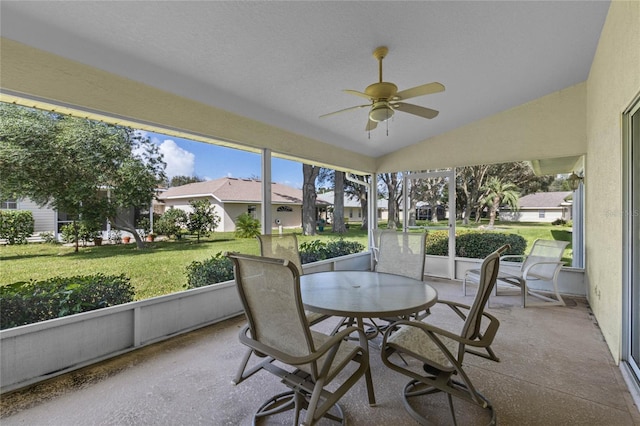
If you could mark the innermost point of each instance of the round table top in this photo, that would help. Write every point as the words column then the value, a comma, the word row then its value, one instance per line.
column 365, row 294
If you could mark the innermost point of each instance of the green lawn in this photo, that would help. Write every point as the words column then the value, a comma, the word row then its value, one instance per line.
column 161, row 268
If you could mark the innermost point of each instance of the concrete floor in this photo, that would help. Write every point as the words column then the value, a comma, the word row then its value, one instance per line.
column 554, row 369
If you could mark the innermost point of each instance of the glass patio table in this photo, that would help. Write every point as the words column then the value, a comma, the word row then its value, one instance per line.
column 365, row 294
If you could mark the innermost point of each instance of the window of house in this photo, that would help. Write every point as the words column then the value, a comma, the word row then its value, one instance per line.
column 284, row 209
column 252, row 211
column 350, row 214
column 9, row 204
column 541, row 214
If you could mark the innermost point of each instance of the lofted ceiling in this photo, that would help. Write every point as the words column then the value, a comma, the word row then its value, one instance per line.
column 286, row 63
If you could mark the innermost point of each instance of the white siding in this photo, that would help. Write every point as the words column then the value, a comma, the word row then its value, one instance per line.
column 44, row 217
column 531, row 215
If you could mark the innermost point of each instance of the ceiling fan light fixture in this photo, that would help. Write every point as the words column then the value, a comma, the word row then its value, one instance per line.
column 381, row 111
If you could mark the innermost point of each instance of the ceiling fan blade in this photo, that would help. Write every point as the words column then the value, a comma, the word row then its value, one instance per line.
column 415, row 110
column 371, row 125
column 425, row 89
column 346, row 109
column 355, row 92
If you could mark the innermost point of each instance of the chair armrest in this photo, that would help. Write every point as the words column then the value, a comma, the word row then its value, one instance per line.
column 513, row 256
column 332, row 343
column 528, row 269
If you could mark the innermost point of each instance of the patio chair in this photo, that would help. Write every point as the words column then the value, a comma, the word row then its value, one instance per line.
column 436, row 355
column 399, row 253
column 543, row 263
column 376, row 242
column 402, row 253
column 305, row 360
column 285, row 246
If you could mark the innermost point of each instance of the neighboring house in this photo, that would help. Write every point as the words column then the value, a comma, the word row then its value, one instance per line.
column 232, row 197
column 45, row 218
column 48, row 219
column 352, row 208
column 540, row 207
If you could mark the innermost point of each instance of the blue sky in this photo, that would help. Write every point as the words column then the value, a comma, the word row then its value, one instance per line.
column 188, row 158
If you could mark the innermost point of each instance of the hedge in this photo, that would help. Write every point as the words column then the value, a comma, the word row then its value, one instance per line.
column 474, row 244
column 27, row 302
column 219, row 268
column 16, row 225
column 313, row 251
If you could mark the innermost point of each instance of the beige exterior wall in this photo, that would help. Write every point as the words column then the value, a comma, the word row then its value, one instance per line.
column 183, row 204
column 549, row 127
column 613, row 83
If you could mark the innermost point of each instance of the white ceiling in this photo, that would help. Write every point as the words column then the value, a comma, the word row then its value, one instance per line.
column 285, row 63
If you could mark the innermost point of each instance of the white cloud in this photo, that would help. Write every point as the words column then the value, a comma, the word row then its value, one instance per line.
column 180, row 162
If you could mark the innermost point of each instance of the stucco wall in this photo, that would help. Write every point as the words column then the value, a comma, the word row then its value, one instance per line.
column 549, row 127
column 614, row 81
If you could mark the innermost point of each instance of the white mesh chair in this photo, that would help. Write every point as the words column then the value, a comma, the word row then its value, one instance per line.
column 436, row 355
column 305, row 360
column 543, row 263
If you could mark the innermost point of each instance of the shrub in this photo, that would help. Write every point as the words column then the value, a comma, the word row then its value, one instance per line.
column 312, row 251
column 27, row 302
column 48, row 237
column 438, row 243
column 84, row 231
column 474, row 244
column 171, row 223
column 217, row 269
column 16, row 225
column 478, row 245
column 559, row 221
column 247, row 226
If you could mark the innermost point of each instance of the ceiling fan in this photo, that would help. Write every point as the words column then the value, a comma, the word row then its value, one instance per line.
column 385, row 99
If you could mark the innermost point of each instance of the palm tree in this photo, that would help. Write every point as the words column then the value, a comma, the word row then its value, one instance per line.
column 497, row 192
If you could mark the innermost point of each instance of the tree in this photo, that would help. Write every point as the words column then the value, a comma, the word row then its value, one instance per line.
column 309, row 173
column 360, row 193
column 469, row 181
column 497, row 192
column 521, row 175
column 338, row 225
column 183, row 180
column 172, row 222
column 82, row 167
column 202, row 219
column 394, row 193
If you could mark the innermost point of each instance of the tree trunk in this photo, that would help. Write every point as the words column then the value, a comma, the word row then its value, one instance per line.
column 392, row 189
column 125, row 225
column 493, row 210
column 338, row 225
column 310, row 173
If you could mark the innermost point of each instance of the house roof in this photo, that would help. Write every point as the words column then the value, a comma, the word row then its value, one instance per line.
column 235, row 190
column 348, row 201
column 543, row 200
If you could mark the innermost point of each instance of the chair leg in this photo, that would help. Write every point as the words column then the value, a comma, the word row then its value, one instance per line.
column 242, row 367
column 453, row 414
